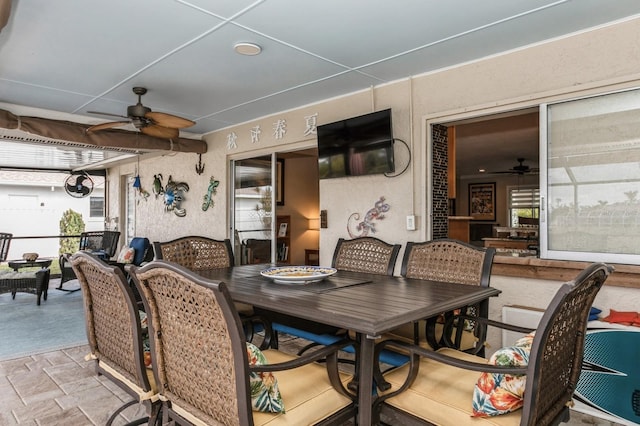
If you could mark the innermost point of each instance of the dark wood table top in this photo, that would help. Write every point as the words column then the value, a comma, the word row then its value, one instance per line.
column 365, row 303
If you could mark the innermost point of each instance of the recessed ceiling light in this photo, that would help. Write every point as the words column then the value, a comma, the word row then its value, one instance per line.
column 248, row 49
column 481, row 170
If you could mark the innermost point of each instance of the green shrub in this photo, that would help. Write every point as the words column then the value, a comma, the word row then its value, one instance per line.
column 70, row 224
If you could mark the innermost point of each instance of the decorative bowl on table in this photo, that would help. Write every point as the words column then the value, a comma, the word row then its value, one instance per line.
column 30, row 257
column 297, row 274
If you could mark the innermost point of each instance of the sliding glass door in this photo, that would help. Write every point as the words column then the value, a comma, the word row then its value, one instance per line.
column 253, row 200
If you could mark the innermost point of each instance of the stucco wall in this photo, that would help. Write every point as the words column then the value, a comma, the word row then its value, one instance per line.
column 593, row 62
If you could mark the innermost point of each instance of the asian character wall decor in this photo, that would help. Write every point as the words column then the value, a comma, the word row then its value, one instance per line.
column 366, row 226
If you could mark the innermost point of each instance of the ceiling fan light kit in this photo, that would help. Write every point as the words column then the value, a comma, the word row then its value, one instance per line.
column 156, row 124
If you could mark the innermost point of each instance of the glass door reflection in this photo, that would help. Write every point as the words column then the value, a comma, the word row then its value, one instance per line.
column 253, row 210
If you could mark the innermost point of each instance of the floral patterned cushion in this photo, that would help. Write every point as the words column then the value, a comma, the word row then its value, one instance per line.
column 495, row 393
column 126, row 255
column 265, row 395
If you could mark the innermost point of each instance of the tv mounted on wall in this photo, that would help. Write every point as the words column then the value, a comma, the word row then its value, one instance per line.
column 356, row 146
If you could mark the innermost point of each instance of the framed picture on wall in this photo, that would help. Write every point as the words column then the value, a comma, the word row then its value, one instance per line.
column 482, row 201
column 280, row 182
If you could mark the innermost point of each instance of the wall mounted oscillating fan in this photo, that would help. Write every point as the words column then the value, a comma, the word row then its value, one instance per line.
column 78, row 185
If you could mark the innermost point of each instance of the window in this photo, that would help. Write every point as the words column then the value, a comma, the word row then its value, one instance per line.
column 591, row 179
column 96, row 206
column 523, row 203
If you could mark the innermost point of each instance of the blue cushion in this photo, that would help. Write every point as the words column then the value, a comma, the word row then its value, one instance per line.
column 386, row 356
column 140, row 245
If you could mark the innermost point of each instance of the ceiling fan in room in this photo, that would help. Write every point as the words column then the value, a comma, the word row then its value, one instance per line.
column 157, row 124
column 520, row 169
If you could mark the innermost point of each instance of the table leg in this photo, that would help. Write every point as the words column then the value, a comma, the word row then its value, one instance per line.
column 365, row 381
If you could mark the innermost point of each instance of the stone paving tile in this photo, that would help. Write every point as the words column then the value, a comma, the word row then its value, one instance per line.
column 34, row 386
column 14, row 366
column 73, row 416
column 42, row 409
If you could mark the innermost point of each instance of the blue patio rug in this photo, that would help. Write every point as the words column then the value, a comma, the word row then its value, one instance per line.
column 28, row 329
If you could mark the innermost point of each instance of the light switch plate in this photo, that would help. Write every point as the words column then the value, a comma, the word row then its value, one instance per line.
column 411, row 223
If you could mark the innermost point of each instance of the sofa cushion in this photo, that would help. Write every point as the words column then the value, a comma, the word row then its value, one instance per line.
column 17, row 275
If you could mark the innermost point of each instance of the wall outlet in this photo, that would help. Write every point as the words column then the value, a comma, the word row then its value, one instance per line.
column 411, row 223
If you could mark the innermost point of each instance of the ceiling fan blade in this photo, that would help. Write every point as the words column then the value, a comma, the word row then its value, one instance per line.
column 107, row 113
column 108, row 125
column 169, row 120
column 160, row 131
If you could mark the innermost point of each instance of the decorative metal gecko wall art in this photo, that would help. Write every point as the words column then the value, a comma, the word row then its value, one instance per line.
column 157, row 185
column 211, row 191
column 173, row 196
column 362, row 229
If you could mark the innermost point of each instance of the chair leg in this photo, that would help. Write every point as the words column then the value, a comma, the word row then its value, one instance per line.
column 121, row 409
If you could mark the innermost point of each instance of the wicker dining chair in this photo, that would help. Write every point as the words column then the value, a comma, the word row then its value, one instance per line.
column 365, row 254
column 196, row 253
column 115, row 333
column 451, row 261
column 200, row 361
column 446, row 387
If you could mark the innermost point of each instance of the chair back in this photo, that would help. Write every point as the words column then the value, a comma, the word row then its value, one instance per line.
column 195, row 253
column 556, row 353
column 198, row 349
column 105, row 242
column 448, row 260
column 5, row 242
column 112, row 320
column 365, row 254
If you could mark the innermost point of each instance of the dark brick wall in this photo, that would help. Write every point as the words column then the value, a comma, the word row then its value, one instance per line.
column 440, row 183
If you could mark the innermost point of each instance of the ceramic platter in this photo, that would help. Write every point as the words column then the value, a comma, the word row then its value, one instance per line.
column 297, row 274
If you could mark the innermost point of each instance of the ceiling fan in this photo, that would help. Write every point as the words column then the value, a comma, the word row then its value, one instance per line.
column 521, row 168
column 157, row 124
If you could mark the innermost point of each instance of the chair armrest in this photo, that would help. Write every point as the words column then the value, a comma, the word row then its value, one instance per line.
column 451, row 321
column 330, row 353
column 248, row 324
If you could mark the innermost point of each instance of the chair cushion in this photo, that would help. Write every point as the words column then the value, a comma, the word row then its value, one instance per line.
column 265, row 395
column 126, row 255
column 495, row 393
column 442, row 393
column 307, row 392
column 9, row 274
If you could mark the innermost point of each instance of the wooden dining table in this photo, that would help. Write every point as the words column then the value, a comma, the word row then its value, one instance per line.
column 366, row 304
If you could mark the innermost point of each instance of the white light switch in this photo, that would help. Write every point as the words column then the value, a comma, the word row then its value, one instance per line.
column 411, row 223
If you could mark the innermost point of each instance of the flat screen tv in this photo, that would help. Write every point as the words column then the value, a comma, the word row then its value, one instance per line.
column 356, row 146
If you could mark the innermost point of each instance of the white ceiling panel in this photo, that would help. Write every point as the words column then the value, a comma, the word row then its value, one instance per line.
column 73, row 56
